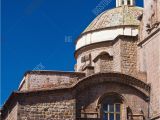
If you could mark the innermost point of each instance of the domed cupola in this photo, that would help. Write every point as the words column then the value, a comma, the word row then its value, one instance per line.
column 111, row 23
column 106, row 27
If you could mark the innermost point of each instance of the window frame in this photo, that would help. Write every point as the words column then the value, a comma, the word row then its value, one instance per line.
column 115, row 112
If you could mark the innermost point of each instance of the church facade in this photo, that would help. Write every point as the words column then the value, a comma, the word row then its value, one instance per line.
column 116, row 77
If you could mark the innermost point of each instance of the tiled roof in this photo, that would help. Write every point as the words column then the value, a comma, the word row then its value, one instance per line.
column 125, row 15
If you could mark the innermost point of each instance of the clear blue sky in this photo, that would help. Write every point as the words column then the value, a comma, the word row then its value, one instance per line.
column 41, row 32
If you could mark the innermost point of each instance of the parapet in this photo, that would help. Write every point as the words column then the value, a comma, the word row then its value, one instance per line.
column 37, row 80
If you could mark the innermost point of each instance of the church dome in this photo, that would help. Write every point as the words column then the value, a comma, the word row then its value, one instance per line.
column 120, row 16
column 122, row 20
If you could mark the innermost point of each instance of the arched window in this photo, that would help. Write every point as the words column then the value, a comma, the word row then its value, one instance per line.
column 111, row 108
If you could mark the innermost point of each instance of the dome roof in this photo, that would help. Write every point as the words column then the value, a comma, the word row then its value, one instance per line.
column 125, row 15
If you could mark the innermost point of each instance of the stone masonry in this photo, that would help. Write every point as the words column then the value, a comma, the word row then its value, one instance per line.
column 116, row 77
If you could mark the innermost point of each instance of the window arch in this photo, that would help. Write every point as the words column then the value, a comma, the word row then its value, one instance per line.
column 111, row 107
column 103, row 62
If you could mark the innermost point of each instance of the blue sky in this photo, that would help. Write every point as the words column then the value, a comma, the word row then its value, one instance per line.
column 41, row 33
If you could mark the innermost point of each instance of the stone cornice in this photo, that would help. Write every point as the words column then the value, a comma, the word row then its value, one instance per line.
column 148, row 38
column 109, row 43
column 46, row 72
column 120, row 78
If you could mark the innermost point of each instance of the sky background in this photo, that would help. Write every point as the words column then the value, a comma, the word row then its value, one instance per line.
column 41, row 34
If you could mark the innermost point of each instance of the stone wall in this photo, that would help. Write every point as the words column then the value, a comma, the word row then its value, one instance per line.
column 123, row 50
column 87, row 100
column 94, row 50
column 70, row 103
column 129, row 56
column 103, row 64
column 47, row 106
column 117, row 56
column 151, row 16
column 150, row 52
column 10, row 113
column 44, row 80
column 125, row 55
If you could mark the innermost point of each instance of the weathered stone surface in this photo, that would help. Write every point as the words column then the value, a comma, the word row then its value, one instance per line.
column 88, row 99
column 149, row 53
column 125, row 15
column 122, row 54
column 63, row 104
column 121, row 69
column 57, row 106
column 35, row 80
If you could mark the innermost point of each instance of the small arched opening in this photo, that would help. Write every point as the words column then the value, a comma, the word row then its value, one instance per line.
column 111, row 106
column 103, row 62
